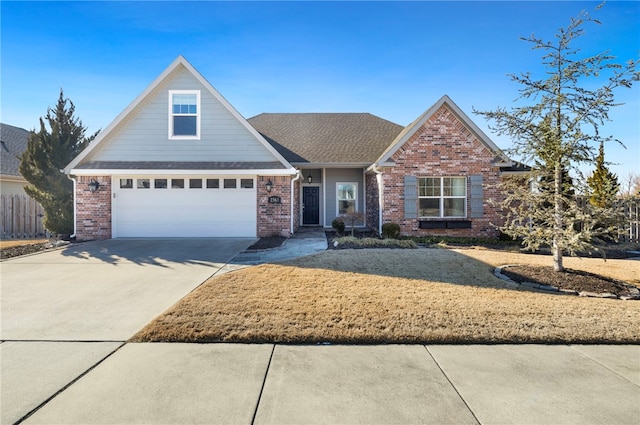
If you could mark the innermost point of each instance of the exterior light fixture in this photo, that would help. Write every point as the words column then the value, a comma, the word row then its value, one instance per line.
column 309, row 178
column 93, row 185
column 269, row 186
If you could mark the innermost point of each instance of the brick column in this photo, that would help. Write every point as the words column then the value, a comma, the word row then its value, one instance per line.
column 93, row 209
column 274, row 219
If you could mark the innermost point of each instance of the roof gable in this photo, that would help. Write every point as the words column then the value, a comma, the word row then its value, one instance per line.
column 409, row 131
column 180, row 68
column 327, row 138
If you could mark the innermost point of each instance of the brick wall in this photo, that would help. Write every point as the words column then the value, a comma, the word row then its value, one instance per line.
column 443, row 146
column 93, row 210
column 274, row 219
column 372, row 200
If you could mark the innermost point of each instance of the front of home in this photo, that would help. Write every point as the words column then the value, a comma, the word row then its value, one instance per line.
column 180, row 161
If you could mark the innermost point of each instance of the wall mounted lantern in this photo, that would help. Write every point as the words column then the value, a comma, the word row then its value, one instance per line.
column 269, row 186
column 309, row 178
column 93, row 185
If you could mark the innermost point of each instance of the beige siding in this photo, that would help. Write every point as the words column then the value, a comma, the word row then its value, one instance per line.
column 143, row 136
column 12, row 188
column 341, row 175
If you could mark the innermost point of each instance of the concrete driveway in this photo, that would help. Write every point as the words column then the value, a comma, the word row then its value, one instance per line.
column 104, row 290
column 66, row 311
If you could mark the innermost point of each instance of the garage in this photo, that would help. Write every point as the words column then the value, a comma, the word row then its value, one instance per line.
column 184, row 206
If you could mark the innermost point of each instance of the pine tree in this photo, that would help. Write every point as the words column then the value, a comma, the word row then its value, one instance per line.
column 48, row 152
column 557, row 126
column 603, row 184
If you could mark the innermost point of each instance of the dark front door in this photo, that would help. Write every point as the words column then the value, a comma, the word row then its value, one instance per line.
column 310, row 205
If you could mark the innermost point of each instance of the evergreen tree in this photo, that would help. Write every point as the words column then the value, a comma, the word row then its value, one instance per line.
column 603, row 184
column 557, row 126
column 48, row 152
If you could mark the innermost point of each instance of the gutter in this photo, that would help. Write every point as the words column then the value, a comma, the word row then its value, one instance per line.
column 297, row 177
column 378, row 173
column 73, row 179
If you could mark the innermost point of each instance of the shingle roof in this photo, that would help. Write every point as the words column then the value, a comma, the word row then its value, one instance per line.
column 516, row 167
column 355, row 138
column 13, row 142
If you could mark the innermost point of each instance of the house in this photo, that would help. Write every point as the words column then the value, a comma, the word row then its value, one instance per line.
column 180, row 161
column 13, row 142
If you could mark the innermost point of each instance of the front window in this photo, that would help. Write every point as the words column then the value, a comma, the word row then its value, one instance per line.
column 184, row 114
column 442, row 197
column 347, row 198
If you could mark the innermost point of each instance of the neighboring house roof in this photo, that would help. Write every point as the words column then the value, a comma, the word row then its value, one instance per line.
column 180, row 61
column 327, row 138
column 517, row 167
column 501, row 159
column 13, row 142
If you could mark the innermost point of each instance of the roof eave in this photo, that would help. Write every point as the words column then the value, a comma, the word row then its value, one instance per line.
column 180, row 172
column 12, row 178
column 308, row 165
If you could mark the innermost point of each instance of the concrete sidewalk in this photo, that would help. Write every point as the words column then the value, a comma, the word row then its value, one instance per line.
column 280, row 384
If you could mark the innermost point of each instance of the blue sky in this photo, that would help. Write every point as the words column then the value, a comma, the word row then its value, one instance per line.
column 392, row 59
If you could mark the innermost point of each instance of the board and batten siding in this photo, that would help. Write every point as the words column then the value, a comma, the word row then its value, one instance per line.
column 143, row 135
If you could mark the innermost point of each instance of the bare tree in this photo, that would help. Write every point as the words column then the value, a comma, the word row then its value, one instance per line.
column 557, row 128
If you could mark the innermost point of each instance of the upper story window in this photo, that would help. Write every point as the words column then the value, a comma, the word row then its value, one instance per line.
column 442, row 197
column 184, row 114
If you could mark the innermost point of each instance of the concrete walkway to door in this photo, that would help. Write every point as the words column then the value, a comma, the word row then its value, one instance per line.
column 306, row 241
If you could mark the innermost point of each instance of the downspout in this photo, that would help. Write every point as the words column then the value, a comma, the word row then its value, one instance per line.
column 73, row 179
column 378, row 172
column 297, row 177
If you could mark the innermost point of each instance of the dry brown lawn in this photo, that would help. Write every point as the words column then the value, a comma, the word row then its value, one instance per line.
column 397, row 296
column 4, row 244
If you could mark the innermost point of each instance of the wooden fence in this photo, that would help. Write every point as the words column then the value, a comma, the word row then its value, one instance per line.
column 21, row 217
column 631, row 208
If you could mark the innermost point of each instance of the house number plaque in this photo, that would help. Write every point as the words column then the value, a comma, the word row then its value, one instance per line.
column 275, row 200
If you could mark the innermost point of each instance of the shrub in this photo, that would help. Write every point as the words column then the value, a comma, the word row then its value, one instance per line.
column 390, row 231
column 374, row 243
column 338, row 224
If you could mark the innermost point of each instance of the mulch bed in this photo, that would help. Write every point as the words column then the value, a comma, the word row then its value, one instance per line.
column 267, row 243
column 16, row 251
column 575, row 280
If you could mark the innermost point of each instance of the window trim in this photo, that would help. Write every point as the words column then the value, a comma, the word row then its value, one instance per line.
column 338, row 199
column 442, row 197
column 198, row 114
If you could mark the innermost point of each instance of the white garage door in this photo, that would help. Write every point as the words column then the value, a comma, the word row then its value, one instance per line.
column 166, row 206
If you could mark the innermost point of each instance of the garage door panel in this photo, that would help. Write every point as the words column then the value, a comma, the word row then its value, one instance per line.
column 185, row 212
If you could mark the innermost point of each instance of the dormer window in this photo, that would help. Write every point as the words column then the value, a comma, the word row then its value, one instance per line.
column 184, row 114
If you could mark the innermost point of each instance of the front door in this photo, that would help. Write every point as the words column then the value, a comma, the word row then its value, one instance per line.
column 310, row 205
